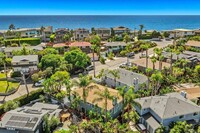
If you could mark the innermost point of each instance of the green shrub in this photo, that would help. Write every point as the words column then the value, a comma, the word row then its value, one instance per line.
column 15, row 74
column 102, row 60
column 31, row 41
column 10, row 105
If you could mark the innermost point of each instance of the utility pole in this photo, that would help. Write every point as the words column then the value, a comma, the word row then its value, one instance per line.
column 23, row 77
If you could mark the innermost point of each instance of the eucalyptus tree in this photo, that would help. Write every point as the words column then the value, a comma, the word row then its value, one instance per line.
column 156, row 80
column 122, row 92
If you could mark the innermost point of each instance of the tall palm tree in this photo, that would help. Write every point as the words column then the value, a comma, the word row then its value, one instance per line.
column 148, row 73
column 18, row 35
column 141, row 28
column 69, row 84
column 129, row 98
column 156, row 79
column 3, row 61
column 145, row 47
column 153, row 60
column 122, row 92
column 160, row 57
column 84, row 83
column 43, row 33
column 95, row 40
column 105, row 95
column 115, row 74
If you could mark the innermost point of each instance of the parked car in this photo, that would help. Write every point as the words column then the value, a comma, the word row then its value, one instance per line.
column 126, row 64
column 131, row 54
column 39, row 83
column 78, row 71
column 89, row 68
column 143, row 55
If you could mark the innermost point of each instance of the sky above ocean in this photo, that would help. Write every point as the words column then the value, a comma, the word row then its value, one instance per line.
column 100, row 7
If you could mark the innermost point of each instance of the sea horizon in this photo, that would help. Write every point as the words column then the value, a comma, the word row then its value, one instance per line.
column 150, row 22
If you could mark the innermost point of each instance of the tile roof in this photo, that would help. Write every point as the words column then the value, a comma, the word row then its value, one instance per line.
column 193, row 43
column 80, row 44
column 169, row 105
column 59, row 45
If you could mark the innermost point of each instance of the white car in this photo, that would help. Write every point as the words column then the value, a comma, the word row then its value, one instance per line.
column 39, row 83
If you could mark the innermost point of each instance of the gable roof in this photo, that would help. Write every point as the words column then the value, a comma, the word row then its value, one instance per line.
column 32, row 58
column 193, row 43
column 112, row 44
column 127, row 77
column 10, row 49
column 80, row 44
column 169, row 105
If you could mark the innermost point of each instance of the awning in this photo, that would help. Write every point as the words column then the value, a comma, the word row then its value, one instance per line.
column 151, row 121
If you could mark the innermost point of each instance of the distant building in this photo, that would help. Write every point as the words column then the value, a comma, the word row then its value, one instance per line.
column 114, row 47
column 126, row 78
column 80, row 34
column 60, row 33
column 176, row 33
column 25, row 63
column 155, row 111
column 84, row 46
column 114, row 106
column 31, row 33
column 104, row 33
column 8, row 50
column 119, row 31
column 28, row 119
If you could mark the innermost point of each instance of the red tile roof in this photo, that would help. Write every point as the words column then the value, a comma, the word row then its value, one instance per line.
column 59, row 45
column 79, row 44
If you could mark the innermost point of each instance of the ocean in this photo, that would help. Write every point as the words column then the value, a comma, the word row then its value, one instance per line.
column 72, row 22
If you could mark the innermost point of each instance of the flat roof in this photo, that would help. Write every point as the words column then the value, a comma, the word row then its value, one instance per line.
column 115, row 44
column 10, row 49
column 92, row 96
column 193, row 43
column 142, row 62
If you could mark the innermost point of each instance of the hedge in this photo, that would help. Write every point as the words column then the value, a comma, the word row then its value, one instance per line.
column 31, row 41
column 23, row 100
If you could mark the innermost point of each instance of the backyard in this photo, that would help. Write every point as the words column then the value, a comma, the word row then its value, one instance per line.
column 2, row 75
column 3, row 85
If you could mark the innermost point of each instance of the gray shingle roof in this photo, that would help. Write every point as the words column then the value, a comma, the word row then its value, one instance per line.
column 169, row 105
column 31, row 58
column 127, row 77
column 10, row 49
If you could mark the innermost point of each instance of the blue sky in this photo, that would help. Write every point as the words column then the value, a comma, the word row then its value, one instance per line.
column 100, row 7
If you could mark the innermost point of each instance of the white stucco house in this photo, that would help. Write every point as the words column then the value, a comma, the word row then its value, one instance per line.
column 126, row 78
column 25, row 63
column 179, row 33
column 155, row 111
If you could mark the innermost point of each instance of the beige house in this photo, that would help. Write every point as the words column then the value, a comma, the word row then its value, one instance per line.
column 120, row 30
column 80, row 34
column 176, row 33
column 194, row 44
column 60, row 33
column 25, row 63
column 104, row 33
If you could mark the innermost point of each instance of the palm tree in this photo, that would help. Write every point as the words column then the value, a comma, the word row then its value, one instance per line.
column 115, row 74
column 43, row 33
column 148, row 73
column 145, row 47
column 3, row 61
column 160, row 57
column 141, row 28
column 84, row 83
column 105, row 95
column 122, row 92
column 18, row 35
column 69, row 84
column 129, row 98
column 12, row 27
column 156, row 79
column 153, row 60
column 95, row 40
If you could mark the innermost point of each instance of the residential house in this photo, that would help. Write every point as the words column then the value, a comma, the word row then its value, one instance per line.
column 119, row 31
column 80, row 34
column 28, row 119
column 193, row 44
column 114, row 47
column 31, row 33
column 176, row 33
column 60, row 33
column 155, row 111
column 25, row 63
column 104, row 33
column 8, row 50
column 192, row 57
column 114, row 106
column 126, row 78
column 84, row 46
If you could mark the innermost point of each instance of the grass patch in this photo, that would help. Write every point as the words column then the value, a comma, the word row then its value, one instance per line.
column 2, row 75
column 12, row 85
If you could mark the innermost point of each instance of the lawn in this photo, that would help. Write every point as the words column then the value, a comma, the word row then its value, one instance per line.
column 3, row 85
column 2, row 75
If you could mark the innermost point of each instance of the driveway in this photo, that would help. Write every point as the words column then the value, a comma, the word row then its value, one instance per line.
column 21, row 91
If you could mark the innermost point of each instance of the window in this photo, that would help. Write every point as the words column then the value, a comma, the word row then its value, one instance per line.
column 182, row 116
column 195, row 114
